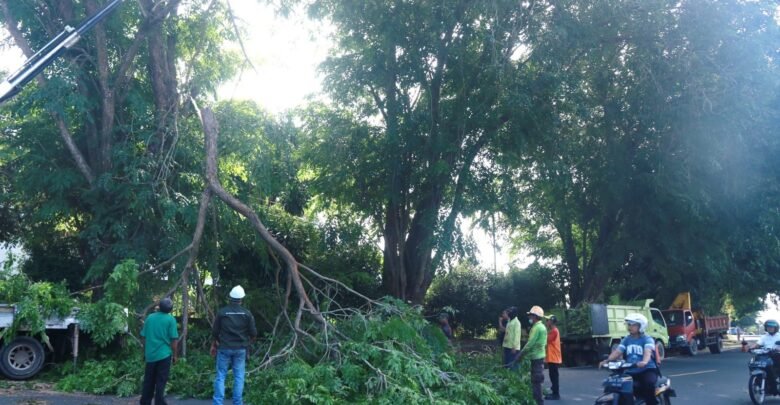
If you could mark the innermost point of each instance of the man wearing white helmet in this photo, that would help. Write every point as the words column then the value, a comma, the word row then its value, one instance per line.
column 770, row 340
column 638, row 348
column 234, row 330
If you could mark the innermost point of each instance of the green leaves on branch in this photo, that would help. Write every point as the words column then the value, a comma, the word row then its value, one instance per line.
column 122, row 284
column 103, row 320
column 36, row 302
column 388, row 355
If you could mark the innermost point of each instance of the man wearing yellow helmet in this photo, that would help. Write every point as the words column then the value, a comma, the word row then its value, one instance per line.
column 536, row 349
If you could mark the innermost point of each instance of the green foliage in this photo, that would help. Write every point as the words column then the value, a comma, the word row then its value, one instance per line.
column 119, row 376
column 392, row 355
column 108, row 317
column 646, row 169
column 122, row 284
column 103, row 320
column 479, row 296
column 389, row 355
column 35, row 302
column 420, row 95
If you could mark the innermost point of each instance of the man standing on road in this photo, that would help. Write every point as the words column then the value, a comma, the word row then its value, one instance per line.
column 234, row 330
column 511, row 342
column 535, row 349
column 159, row 337
column 554, row 358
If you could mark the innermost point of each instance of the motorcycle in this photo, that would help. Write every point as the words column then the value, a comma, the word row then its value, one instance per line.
column 619, row 387
column 760, row 366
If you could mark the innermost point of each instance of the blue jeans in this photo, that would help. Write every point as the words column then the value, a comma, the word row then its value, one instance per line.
column 235, row 359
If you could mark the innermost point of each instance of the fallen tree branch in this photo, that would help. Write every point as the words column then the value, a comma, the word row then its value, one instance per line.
column 211, row 131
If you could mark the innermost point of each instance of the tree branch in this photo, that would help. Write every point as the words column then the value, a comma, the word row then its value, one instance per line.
column 211, row 130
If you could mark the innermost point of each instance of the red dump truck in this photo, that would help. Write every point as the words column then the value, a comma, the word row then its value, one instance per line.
column 691, row 330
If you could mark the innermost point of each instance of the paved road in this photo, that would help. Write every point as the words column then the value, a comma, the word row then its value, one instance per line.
column 57, row 398
column 705, row 379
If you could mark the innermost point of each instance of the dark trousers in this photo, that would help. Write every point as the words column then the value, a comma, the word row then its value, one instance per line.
column 552, row 368
column 509, row 358
column 155, row 378
column 644, row 385
column 772, row 373
column 537, row 378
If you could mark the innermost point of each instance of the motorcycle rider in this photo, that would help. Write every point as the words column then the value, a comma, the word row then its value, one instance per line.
column 638, row 348
column 769, row 341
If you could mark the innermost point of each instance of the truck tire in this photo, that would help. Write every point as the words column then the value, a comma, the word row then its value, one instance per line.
column 22, row 358
column 693, row 348
column 661, row 350
column 716, row 347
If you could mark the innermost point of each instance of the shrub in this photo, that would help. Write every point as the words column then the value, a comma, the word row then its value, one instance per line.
column 478, row 296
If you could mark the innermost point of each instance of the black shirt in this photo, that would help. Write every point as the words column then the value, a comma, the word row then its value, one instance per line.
column 234, row 327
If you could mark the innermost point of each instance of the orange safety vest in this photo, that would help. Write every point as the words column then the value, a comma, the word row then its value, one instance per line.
column 554, row 347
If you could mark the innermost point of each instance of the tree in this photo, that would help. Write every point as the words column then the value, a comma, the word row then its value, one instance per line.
column 419, row 89
column 647, row 116
column 102, row 191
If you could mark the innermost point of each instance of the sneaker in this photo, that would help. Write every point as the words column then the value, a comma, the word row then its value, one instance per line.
column 552, row 397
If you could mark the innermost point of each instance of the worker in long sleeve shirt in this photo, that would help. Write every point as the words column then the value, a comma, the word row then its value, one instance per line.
column 512, row 336
column 536, row 349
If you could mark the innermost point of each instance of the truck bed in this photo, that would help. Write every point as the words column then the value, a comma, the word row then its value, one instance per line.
column 716, row 324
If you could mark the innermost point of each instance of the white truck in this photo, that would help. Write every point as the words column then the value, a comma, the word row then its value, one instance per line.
column 23, row 356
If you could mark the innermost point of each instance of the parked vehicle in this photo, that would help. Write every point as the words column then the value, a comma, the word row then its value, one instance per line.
column 591, row 331
column 619, row 387
column 24, row 356
column 759, row 386
column 735, row 331
column 691, row 330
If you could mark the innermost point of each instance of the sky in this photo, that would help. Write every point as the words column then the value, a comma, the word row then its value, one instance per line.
column 285, row 53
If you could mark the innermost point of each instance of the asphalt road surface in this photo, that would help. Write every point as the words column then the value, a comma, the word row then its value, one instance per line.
column 44, row 397
column 704, row 379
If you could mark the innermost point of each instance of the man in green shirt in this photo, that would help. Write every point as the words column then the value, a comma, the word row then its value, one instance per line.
column 159, row 336
column 535, row 349
column 511, row 342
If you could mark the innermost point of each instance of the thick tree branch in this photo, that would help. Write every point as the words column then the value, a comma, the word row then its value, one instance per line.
column 211, row 131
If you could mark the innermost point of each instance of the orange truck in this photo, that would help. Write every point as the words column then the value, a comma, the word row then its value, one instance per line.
column 691, row 330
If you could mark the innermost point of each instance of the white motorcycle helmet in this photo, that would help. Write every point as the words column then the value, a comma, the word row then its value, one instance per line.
column 639, row 319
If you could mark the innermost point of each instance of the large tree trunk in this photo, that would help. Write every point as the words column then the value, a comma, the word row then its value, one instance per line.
column 572, row 260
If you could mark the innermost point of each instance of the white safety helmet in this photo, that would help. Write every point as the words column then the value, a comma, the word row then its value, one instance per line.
column 237, row 293
column 639, row 319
